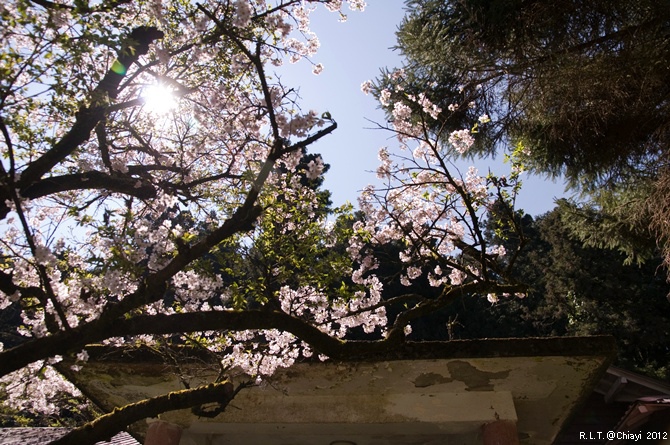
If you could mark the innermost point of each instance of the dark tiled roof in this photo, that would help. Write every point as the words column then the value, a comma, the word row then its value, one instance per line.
column 42, row 436
column 619, row 385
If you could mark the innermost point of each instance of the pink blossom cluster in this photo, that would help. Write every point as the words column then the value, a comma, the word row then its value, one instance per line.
column 260, row 353
column 149, row 197
column 426, row 204
column 461, row 140
column 29, row 394
column 90, row 248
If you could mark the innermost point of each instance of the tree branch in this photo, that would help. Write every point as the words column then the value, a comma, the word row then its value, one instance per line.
column 101, row 329
column 46, row 4
column 136, row 45
column 90, row 180
column 108, row 425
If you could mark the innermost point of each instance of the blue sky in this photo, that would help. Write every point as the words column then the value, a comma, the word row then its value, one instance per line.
column 352, row 52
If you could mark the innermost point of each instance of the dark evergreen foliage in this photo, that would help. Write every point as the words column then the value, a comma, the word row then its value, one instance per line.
column 580, row 89
column 573, row 290
column 583, row 85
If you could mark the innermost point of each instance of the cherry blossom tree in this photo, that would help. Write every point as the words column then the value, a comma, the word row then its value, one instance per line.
column 147, row 143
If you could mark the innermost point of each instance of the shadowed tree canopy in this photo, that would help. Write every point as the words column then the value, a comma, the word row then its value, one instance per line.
column 594, row 292
column 580, row 89
column 577, row 290
column 573, row 290
column 584, row 86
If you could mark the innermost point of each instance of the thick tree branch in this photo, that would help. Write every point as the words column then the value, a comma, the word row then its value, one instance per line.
column 108, row 425
column 448, row 296
column 52, row 5
column 155, row 285
column 136, row 45
column 8, row 287
column 91, row 180
column 96, row 331
column 311, row 139
column 151, row 290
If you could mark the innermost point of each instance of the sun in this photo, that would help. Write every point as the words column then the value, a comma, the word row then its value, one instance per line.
column 159, row 98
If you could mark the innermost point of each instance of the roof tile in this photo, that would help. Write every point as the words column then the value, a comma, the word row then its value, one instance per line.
column 42, row 436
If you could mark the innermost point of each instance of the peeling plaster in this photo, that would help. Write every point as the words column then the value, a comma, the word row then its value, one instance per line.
column 474, row 379
column 436, row 391
column 430, row 379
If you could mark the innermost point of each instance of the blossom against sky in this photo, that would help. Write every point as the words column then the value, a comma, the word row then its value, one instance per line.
column 351, row 53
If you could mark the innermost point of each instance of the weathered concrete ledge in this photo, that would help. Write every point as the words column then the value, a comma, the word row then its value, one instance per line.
column 431, row 392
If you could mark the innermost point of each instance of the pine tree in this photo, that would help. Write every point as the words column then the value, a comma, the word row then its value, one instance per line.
column 579, row 89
